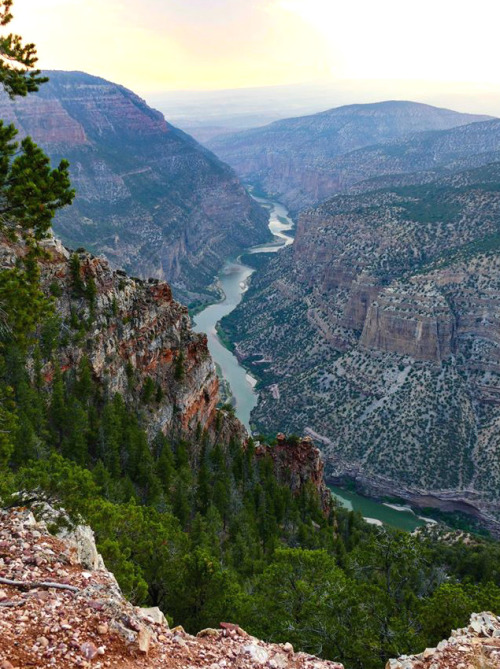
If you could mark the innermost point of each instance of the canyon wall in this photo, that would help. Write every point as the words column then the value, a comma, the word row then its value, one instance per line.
column 131, row 331
column 150, row 197
column 376, row 333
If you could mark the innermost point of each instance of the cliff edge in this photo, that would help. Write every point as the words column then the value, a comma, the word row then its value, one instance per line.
column 58, row 612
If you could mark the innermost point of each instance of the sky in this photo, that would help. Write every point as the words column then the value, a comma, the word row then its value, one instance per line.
column 155, row 45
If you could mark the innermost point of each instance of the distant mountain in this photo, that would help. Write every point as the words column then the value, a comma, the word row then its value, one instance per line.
column 148, row 196
column 377, row 332
column 420, row 158
column 298, row 160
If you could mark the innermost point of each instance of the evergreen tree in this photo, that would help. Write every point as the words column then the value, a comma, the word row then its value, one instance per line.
column 17, row 60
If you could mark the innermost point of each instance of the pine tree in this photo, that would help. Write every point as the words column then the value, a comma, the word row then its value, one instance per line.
column 179, row 371
column 58, row 413
column 30, row 191
column 8, row 427
column 17, row 60
column 84, row 387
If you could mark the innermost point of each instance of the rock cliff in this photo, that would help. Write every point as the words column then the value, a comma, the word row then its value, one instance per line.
column 302, row 161
column 57, row 612
column 148, row 196
column 377, row 334
column 131, row 331
column 297, row 464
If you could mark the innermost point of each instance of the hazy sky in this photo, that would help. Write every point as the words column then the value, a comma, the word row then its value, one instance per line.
column 152, row 45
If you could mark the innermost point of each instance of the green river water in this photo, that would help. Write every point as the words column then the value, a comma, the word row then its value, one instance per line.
column 380, row 513
column 233, row 280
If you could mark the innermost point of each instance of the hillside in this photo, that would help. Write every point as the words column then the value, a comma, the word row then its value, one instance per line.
column 377, row 333
column 422, row 158
column 149, row 197
column 298, row 160
column 109, row 411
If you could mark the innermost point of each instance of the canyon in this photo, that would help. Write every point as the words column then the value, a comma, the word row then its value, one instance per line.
column 376, row 333
column 132, row 496
column 302, row 161
column 149, row 197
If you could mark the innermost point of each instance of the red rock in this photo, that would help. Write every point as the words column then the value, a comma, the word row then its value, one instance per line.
column 297, row 463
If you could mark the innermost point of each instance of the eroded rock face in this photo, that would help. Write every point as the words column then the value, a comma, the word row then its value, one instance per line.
column 89, row 623
column 378, row 330
column 135, row 330
column 298, row 463
column 416, row 322
column 148, row 196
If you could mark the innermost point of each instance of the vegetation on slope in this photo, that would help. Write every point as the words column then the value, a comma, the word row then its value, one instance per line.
column 203, row 530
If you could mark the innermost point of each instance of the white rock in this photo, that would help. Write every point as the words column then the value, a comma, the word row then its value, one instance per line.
column 475, row 625
column 281, row 661
column 82, row 538
column 154, row 613
column 257, row 653
column 144, row 640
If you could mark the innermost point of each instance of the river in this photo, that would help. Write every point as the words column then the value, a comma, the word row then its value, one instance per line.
column 233, row 280
column 378, row 513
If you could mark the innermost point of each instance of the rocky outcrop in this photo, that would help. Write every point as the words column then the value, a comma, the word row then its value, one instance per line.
column 131, row 332
column 416, row 322
column 148, row 196
column 477, row 645
column 302, row 161
column 55, row 612
column 297, row 464
column 379, row 331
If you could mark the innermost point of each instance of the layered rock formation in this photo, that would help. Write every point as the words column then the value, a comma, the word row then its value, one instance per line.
column 417, row 321
column 148, row 196
column 377, row 334
column 130, row 331
column 302, row 161
column 56, row 612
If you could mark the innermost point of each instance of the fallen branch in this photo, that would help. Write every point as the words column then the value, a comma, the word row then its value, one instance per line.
column 31, row 585
column 12, row 604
